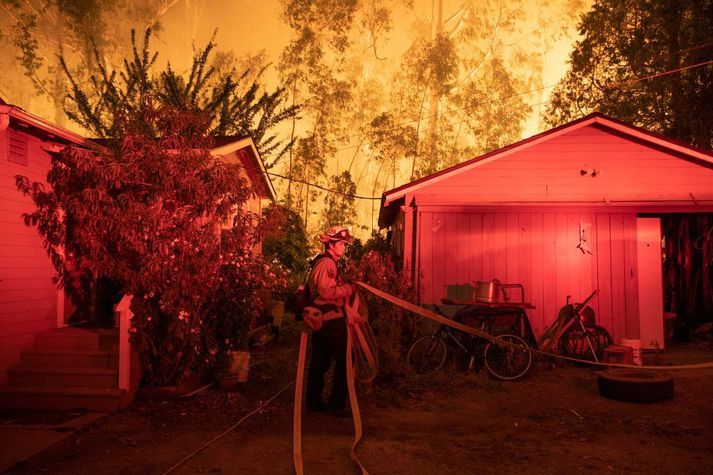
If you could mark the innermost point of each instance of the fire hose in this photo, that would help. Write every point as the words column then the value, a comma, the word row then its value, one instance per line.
column 358, row 329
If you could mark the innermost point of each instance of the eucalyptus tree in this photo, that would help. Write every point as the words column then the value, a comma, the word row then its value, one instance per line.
column 339, row 208
column 34, row 33
column 464, row 81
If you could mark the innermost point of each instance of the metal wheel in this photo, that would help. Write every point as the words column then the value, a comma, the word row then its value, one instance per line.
column 508, row 358
column 427, row 354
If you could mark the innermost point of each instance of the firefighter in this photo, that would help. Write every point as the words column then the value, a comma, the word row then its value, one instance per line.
column 326, row 316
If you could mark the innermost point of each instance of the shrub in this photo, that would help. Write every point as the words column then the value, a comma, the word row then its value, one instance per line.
column 147, row 215
column 393, row 327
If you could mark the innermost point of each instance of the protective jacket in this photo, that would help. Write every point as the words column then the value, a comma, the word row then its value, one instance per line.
column 327, row 292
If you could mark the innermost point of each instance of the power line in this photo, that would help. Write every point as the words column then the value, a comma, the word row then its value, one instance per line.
column 330, row 190
column 538, row 89
column 466, row 121
column 503, row 99
column 658, row 75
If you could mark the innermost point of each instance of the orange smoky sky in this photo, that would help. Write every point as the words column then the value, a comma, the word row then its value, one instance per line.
column 253, row 26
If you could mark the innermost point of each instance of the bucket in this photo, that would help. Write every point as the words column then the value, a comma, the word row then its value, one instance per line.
column 277, row 311
column 635, row 345
column 240, row 365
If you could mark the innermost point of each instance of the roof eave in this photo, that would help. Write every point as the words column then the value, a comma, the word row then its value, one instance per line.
column 52, row 129
column 594, row 118
column 248, row 142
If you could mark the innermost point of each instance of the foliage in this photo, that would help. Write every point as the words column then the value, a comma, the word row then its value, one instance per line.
column 230, row 107
column 623, row 43
column 338, row 207
column 457, row 90
column 393, row 327
column 286, row 242
column 146, row 216
column 38, row 31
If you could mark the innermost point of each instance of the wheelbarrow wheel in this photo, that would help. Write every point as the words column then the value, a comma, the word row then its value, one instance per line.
column 427, row 355
column 508, row 358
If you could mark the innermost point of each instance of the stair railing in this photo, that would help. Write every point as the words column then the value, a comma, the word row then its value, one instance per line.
column 124, row 315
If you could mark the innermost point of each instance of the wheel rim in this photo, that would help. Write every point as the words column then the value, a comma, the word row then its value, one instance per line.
column 509, row 361
column 427, row 355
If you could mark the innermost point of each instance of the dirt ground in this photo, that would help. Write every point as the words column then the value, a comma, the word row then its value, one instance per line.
column 554, row 421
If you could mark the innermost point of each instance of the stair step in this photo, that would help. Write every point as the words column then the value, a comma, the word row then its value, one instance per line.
column 70, row 357
column 62, row 397
column 43, row 376
column 75, row 338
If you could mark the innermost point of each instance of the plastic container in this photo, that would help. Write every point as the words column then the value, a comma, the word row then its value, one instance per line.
column 240, row 365
column 635, row 345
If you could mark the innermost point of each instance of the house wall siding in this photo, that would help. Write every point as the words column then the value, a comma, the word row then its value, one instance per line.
column 537, row 249
column 551, row 171
column 28, row 298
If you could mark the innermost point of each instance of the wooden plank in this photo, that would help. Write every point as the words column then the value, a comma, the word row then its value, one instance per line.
column 537, row 284
column 438, row 234
column 31, row 327
column 562, row 267
column 447, row 237
column 631, row 276
column 587, row 274
column 500, row 247
column 488, row 246
column 524, row 247
column 14, row 284
column 426, row 257
column 574, row 257
column 512, row 254
column 604, row 271
column 27, row 295
column 685, row 169
column 618, row 277
column 20, row 305
column 17, row 262
column 550, row 274
column 39, row 310
column 476, row 246
column 464, row 251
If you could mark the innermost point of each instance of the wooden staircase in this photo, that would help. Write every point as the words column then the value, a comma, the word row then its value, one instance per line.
column 68, row 368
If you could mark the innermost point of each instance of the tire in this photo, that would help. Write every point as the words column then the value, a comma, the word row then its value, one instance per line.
column 510, row 361
column 635, row 385
column 427, row 355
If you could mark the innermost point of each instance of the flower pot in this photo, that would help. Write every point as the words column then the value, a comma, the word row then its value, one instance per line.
column 277, row 311
column 239, row 365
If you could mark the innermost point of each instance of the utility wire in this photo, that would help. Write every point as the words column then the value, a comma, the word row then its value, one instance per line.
column 538, row 89
column 330, row 190
column 466, row 121
column 658, row 75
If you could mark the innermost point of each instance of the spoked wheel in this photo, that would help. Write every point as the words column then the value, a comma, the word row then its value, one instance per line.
column 508, row 358
column 427, row 355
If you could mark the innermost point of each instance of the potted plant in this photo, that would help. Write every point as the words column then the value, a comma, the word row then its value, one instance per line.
column 245, row 283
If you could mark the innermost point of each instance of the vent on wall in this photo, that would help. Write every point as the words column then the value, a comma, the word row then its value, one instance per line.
column 17, row 148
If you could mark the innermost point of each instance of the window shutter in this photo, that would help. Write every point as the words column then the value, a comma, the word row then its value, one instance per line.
column 17, row 149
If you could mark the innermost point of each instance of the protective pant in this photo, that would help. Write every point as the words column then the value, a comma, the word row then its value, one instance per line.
column 329, row 343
